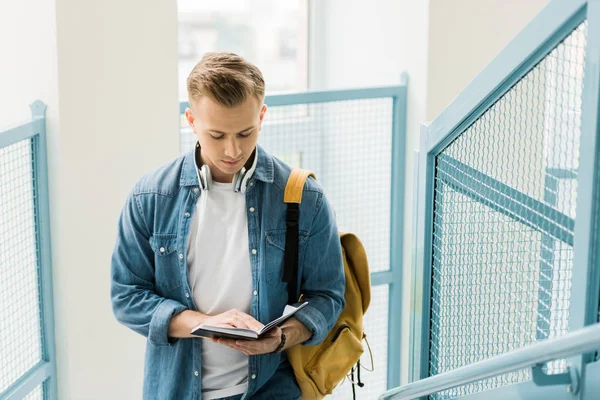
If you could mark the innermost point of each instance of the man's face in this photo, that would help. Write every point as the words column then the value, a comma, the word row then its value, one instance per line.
column 227, row 135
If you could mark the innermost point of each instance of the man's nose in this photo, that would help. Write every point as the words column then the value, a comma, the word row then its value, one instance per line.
column 232, row 149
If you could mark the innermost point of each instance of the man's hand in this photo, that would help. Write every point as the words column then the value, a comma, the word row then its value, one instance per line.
column 266, row 344
column 295, row 333
column 234, row 318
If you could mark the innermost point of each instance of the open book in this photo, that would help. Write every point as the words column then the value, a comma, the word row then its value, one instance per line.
column 211, row 331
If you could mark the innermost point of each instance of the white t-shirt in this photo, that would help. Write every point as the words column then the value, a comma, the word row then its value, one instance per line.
column 220, row 276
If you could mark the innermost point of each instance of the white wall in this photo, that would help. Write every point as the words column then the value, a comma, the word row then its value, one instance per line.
column 117, row 70
column 27, row 60
column 114, row 65
column 465, row 36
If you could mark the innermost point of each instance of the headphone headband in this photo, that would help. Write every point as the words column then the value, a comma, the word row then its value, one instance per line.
column 240, row 179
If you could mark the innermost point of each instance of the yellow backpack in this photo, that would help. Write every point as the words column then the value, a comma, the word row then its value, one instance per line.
column 319, row 369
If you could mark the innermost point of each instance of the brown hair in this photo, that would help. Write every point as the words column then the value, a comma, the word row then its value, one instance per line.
column 226, row 78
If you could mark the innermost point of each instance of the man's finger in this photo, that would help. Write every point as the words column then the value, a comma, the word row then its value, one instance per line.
column 232, row 344
column 252, row 323
column 249, row 321
column 239, row 323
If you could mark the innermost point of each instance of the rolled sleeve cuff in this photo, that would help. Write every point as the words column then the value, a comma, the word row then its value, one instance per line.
column 158, row 333
column 315, row 321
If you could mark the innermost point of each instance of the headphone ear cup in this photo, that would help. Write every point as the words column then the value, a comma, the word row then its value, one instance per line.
column 238, row 180
column 205, row 177
column 244, row 181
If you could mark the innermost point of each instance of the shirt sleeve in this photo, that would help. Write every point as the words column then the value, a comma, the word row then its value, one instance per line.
column 134, row 301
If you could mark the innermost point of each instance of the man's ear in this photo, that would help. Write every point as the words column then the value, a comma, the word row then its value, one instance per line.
column 190, row 118
column 262, row 115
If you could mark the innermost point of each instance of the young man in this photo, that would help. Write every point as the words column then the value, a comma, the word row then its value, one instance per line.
column 201, row 240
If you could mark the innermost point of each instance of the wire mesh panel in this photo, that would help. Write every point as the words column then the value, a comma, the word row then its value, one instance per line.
column 20, row 323
column 504, row 215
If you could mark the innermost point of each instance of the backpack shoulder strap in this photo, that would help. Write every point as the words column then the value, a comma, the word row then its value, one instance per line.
column 293, row 197
column 295, row 184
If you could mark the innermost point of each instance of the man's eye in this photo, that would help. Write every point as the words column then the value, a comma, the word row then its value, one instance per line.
column 245, row 135
column 216, row 137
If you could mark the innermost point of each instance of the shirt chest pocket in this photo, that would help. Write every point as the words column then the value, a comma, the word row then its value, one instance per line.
column 166, row 260
column 275, row 250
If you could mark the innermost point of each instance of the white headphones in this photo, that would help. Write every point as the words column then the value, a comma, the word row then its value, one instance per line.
column 240, row 179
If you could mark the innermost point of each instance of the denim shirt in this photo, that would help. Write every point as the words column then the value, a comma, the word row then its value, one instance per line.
column 149, row 273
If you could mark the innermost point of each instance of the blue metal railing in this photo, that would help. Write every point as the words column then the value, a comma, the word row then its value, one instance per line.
column 501, row 258
column 24, row 180
column 582, row 341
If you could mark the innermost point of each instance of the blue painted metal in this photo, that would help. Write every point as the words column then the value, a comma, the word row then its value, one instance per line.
column 381, row 278
column 569, row 378
column 421, row 314
column 581, row 341
column 45, row 372
column 397, row 233
column 561, row 173
column 504, row 199
column 590, row 383
column 433, row 345
column 548, row 29
column 522, row 391
column 20, row 132
column 414, row 284
column 28, row 382
column 44, row 255
column 586, row 268
column 310, row 97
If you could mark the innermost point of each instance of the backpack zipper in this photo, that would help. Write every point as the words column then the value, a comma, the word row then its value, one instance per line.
column 338, row 332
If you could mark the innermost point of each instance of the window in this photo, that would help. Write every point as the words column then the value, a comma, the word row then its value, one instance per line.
column 269, row 33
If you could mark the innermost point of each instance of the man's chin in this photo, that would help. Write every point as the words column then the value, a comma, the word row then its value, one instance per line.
column 229, row 171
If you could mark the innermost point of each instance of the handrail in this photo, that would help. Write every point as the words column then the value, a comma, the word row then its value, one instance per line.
column 578, row 342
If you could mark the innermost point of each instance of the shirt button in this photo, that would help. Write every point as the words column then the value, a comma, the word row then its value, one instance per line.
column 162, row 249
column 187, row 295
column 253, row 251
column 187, row 215
column 251, row 209
column 181, row 256
column 255, row 292
column 251, row 183
column 253, row 376
column 196, row 190
column 196, row 373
